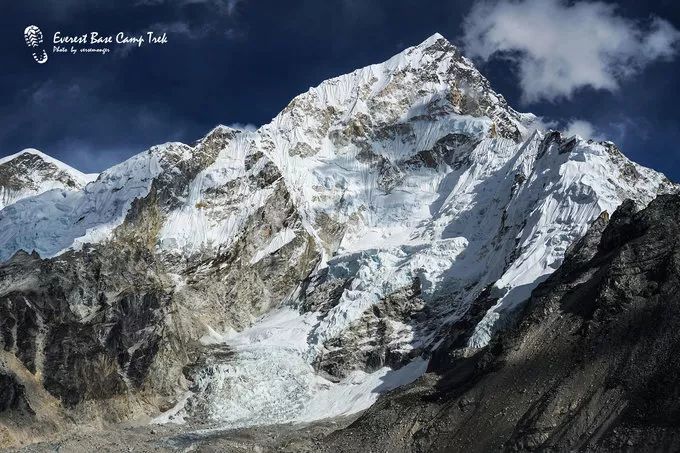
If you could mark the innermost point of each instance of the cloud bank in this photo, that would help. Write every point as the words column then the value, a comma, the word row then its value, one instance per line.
column 219, row 6
column 243, row 126
column 559, row 47
column 573, row 126
column 583, row 129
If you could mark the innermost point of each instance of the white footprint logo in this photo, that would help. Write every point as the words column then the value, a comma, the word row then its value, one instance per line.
column 34, row 39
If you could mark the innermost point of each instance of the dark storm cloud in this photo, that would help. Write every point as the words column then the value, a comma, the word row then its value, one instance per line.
column 227, row 7
column 240, row 62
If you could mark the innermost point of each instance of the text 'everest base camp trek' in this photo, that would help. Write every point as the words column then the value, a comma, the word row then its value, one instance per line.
column 399, row 230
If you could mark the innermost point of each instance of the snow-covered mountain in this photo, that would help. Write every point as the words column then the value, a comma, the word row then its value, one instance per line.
column 590, row 365
column 297, row 271
column 31, row 172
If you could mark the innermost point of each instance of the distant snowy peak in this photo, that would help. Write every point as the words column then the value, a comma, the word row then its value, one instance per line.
column 427, row 81
column 40, row 164
column 31, row 172
column 61, row 220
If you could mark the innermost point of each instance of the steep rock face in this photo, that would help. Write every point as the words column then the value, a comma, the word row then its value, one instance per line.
column 86, row 325
column 31, row 172
column 591, row 366
column 12, row 395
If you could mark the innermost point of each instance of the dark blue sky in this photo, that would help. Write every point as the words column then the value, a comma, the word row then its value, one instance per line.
column 241, row 62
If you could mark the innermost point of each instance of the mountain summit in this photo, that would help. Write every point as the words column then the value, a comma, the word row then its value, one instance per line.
column 296, row 272
column 31, row 172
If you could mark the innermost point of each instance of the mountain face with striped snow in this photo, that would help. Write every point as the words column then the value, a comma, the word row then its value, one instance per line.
column 297, row 271
column 31, row 172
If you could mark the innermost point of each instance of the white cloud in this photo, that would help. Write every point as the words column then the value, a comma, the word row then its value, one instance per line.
column 542, row 123
column 574, row 126
column 243, row 127
column 582, row 128
column 219, row 12
column 559, row 47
